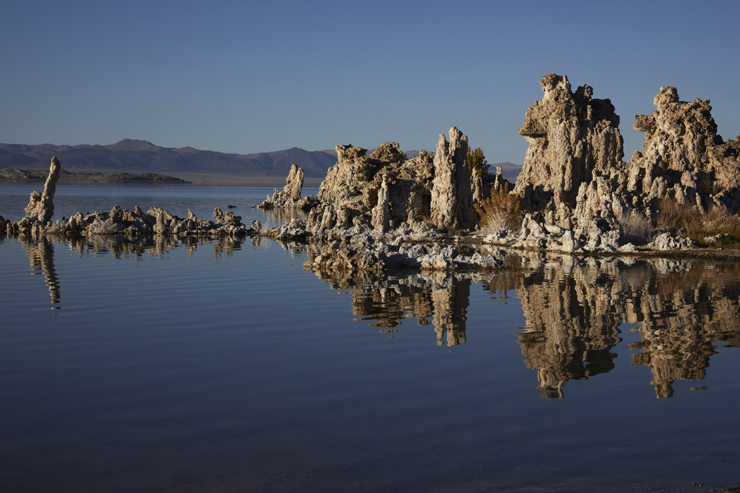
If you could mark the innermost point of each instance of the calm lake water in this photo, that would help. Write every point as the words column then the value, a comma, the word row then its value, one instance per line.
column 222, row 365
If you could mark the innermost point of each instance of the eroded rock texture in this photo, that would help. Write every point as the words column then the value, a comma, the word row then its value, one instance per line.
column 290, row 194
column 572, row 137
column 683, row 157
column 452, row 193
column 40, row 208
column 383, row 189
column 574, row 178
column 119, row 221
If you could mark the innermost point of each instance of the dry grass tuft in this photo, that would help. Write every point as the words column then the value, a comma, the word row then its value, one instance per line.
column 636, row 228
column 697, row 226
column 501, row 211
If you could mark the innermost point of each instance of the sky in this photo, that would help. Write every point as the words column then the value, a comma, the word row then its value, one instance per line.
column 246, row 77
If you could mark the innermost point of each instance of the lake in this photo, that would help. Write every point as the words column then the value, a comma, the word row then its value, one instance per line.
column 198, row 364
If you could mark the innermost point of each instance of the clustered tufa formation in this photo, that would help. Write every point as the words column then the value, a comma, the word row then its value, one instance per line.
column 575, row 186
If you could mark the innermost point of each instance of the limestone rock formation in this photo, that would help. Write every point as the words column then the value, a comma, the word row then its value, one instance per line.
column 572, row 137
column 364, row 254
column 452, row 193
column 385, row 190
column 135, row 223
column 574, row 178
column 40, row 208
column 353, row 188
column 683, row 157
column 290, row 194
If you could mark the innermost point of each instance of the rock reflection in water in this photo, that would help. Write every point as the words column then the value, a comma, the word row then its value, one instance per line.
column 573, row 307
column 684, row 318
column 41, row 256
column 437, row 299
column 573, row 310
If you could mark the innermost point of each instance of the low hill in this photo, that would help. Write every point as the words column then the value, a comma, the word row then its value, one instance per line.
column 15, row 174
column 141, row 157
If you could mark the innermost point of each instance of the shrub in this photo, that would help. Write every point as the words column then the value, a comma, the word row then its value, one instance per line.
column 697, row 226
column 477, row 163
column 636, row 227
column 502, row 210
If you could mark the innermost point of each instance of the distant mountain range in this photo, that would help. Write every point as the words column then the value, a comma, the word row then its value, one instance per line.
column 140, row 156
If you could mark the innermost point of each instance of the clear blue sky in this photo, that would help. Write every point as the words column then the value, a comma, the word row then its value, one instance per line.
column 245, row 77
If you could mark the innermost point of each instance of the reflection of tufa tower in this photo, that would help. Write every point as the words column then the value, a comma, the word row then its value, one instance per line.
column 573, row 319
column 389, row 299
column 41, row 255
column 679, row 322
column 571, row 326
column 450, row 307
column 573, row 308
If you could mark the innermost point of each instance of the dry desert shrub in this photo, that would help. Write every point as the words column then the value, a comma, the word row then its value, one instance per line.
column 636, row 227
column 501, row 211
column 697, row 225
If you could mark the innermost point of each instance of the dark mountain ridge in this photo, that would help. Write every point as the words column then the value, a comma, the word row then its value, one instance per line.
column 140, row 156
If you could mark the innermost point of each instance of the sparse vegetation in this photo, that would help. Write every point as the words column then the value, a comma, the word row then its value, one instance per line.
column 502, row 210
column 477, row 163
column 636, row 228
column 697, row 226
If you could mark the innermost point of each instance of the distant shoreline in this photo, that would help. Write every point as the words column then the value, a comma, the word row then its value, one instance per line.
column 19, row 175
column 92, row 176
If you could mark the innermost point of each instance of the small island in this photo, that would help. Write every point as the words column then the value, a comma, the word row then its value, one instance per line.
column 15, row 174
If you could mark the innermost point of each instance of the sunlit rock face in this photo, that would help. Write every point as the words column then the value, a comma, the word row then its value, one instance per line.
column 452, row 194
column 353, row 188
column 290, row 194
column 571, row 137
column 574, row 175
column 385, row 190
column 40, row 207
column 683, row 157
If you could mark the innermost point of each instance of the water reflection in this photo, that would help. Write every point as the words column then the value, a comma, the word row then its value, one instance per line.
column 682, row 312
column 574, row 309
column 439, row 299
column 41, row 256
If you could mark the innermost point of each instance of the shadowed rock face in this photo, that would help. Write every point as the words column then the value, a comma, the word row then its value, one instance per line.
column 570, row 136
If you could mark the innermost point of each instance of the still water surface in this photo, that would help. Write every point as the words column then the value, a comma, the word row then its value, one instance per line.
column 222, row 365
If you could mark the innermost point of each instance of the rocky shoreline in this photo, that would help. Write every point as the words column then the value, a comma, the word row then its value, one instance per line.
column 575, row 195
